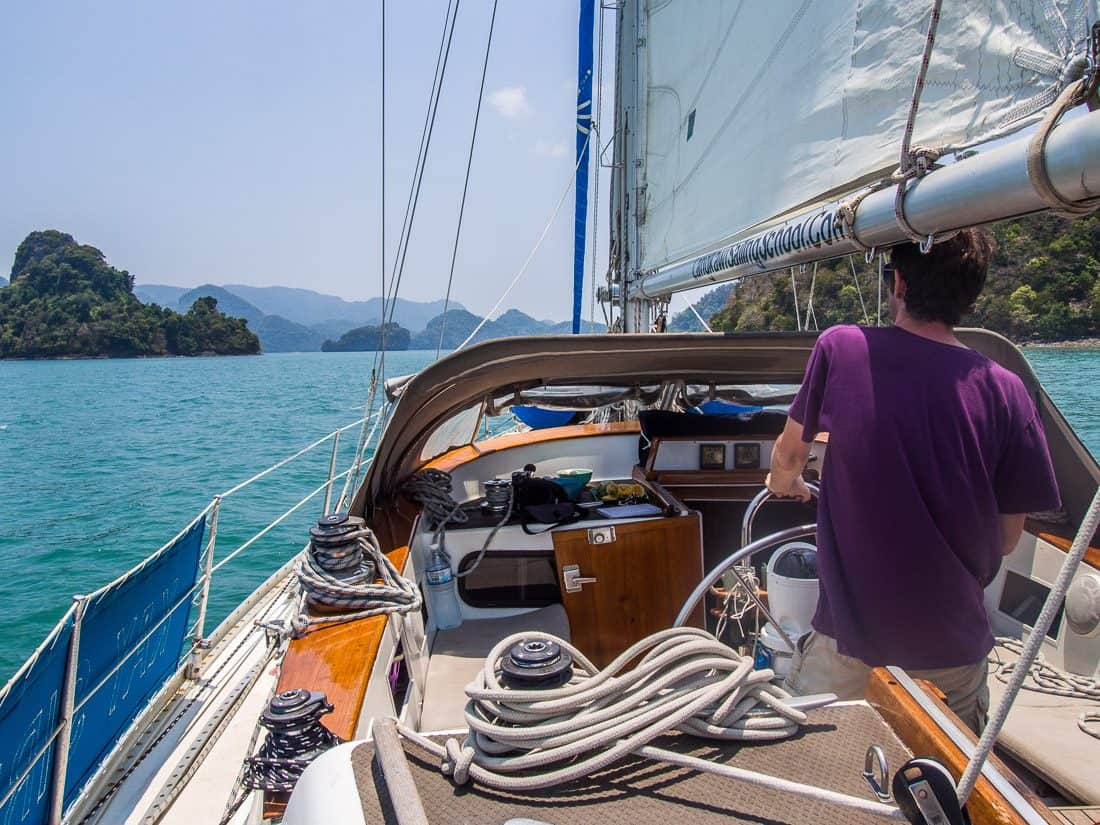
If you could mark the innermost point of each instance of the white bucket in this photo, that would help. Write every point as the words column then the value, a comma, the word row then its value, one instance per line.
column 792, row 602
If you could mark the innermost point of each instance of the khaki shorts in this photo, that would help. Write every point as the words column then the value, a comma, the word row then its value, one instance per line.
column 818, row 667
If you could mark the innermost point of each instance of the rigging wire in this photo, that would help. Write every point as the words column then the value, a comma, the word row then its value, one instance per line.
column 859, row 291
column 418, row 173
column 702, row 321
column 810, row 301
column 878, row 313
column 466, row 182
column 534, row 249
column 794, row 293
column 378, row 360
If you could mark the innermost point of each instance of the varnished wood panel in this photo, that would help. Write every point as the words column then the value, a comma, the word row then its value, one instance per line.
column 642, row 581
column 1092, row 554
column 919, row 732
column 455, row 458
column 337, row 661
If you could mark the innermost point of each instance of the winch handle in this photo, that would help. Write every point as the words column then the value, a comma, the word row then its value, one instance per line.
column 759, row 501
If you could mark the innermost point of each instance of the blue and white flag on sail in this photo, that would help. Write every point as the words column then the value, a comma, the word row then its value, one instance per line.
column 584, row 129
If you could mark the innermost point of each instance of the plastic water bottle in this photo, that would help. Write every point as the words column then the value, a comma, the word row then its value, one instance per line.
column 442, row 595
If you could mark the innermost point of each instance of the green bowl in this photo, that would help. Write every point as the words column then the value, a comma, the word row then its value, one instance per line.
column 573, row 480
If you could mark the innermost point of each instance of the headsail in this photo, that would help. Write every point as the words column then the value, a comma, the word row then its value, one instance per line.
column 751, row 110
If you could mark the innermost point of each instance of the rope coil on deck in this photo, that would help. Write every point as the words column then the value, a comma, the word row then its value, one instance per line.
column 686, row 680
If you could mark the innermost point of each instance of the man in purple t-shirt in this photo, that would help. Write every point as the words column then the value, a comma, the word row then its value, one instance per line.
column 936, row 454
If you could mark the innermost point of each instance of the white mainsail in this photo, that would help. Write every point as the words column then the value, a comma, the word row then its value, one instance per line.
column 752, row 109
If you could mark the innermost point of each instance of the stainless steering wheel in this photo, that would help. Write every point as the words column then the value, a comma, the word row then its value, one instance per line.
column 747, row 550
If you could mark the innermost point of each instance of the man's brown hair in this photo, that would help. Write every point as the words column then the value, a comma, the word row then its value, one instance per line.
column 943, row 284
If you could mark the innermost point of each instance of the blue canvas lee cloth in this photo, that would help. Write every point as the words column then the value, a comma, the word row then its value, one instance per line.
column 114, row 622
column 29, row 713
column 928, row 443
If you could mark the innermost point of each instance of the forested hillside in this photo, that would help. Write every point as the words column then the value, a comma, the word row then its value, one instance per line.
column 1044, row 285
column 64, row 299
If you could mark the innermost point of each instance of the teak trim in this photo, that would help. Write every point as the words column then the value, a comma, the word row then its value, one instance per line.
column 336, row 660
column 920, row 733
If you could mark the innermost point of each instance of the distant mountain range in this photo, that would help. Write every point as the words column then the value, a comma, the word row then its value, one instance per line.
column 3, row 281
column 460, row 323
column 301, row 320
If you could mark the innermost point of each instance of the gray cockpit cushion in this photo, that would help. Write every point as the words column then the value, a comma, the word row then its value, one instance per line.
column 458, row 655
column 1041, row 731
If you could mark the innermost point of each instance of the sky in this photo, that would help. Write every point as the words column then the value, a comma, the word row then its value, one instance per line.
column 239, row 142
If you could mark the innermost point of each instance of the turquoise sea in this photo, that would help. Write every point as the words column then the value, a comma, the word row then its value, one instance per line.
column 103, row 461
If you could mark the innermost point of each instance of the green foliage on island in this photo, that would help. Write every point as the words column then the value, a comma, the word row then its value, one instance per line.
column 65, row 300
column 369, row 339
column 711, row 303
column 1044, row 285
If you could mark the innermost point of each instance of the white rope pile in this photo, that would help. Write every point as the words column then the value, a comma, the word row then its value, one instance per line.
column 686, row 680
column 1043, row 678
column 358, row 595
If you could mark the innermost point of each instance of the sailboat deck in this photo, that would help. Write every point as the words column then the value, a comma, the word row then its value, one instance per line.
column 828, row 753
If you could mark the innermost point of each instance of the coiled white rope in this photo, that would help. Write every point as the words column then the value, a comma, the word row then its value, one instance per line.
column 686, row 680
column 358, row 596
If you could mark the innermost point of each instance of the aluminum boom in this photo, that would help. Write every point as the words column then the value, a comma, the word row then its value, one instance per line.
column 986, row 187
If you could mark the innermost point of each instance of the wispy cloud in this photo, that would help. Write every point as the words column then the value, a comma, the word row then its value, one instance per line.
column 550, row 149
column 511, row 101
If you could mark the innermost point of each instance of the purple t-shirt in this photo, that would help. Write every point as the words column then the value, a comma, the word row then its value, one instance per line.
column 928, row 443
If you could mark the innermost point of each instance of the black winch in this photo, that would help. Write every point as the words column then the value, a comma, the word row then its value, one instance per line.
column 536, row 664
column 295, row 738
column 334, row 543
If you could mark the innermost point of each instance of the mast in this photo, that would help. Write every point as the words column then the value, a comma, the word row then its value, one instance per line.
column 635, row 306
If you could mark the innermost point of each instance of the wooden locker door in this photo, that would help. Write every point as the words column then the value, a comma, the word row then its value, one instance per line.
column 643, row 577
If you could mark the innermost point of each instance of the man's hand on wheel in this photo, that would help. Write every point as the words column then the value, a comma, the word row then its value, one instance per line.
column 794, row 488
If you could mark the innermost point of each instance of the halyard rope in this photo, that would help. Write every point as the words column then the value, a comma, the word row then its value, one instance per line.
column 431, row 489
column 522, row 740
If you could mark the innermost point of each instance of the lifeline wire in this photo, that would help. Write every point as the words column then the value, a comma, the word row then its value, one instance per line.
column 522, row 740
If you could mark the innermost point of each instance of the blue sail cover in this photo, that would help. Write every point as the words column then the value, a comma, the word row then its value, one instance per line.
column 584, row 129
column 29, row 712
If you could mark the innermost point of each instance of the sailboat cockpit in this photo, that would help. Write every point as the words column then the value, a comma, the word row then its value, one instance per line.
column 670, row 526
